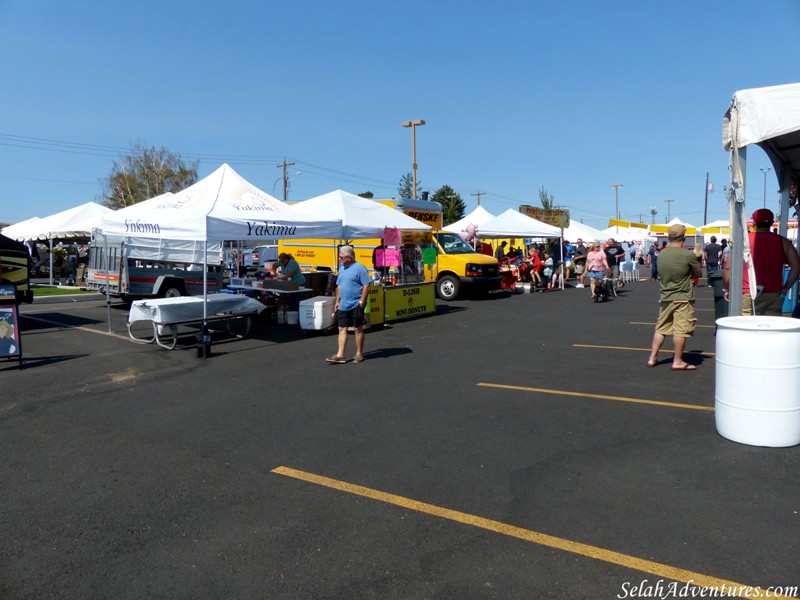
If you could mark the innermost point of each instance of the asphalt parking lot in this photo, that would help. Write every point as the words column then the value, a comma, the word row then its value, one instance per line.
column 507, row 447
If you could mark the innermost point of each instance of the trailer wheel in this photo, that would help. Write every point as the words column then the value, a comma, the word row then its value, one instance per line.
column 170, row 290
column 448, row 287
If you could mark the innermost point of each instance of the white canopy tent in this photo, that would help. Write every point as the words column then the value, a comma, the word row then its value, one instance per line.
column 478, row 217
column 191, row 251
column 627, row 234
column 513, row 224
column 222, row 206
column 17, row 230
column 580, row 230
column 770, row 118
column 76, row 222
column 361, row 218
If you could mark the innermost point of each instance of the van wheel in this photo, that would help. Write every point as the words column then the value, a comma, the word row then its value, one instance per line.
column 448, row 287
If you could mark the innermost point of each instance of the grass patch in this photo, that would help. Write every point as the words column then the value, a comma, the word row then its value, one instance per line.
column 39, row 292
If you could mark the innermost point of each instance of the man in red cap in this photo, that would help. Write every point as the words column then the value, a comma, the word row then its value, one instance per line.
column 770, row 253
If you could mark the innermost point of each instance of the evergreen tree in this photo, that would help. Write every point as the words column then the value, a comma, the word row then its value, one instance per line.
column 366, row 195
column 452, row 205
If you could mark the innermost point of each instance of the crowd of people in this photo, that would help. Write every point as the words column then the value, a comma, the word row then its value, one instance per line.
column 548, row 266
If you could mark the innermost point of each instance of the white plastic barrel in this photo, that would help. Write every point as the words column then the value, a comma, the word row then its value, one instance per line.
column 757, row 391
column 292, row 317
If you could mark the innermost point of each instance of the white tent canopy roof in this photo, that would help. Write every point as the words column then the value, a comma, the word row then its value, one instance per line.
column 627, row 234
column 478, row 217
column 361, row 217
column 75, row 222
column 513, row 224
column 769, row 117
column 17, row 230
column 222, row 206
column 577, row 230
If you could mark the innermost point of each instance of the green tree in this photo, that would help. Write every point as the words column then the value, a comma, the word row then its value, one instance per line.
column 146, row 173
column 548, row 200
column 367, row 195
column 452, row 205
column 407, row 185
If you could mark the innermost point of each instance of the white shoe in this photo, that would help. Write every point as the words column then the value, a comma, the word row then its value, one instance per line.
column 580, row 285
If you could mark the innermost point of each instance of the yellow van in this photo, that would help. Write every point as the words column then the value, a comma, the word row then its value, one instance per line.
column 458, row 267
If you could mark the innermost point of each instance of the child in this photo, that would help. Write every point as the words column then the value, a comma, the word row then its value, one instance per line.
column 548, row 272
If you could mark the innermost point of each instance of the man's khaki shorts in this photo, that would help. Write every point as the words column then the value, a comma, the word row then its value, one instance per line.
column 767, row 304
column 676, row 318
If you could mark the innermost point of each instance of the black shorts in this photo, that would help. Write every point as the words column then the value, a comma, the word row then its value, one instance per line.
column 350, row 318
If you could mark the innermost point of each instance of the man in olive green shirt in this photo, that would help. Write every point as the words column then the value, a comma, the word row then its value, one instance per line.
column 676, row 267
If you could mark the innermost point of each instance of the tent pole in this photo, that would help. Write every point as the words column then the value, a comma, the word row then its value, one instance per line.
column 108, row 281
column 51, row 261
column 738, row 226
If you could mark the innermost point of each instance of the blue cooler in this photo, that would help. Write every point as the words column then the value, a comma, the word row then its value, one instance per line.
column 790, row 301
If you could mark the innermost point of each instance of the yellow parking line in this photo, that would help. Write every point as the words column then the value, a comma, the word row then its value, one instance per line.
column 599, row 396
column 710, row 354
column 543, row 539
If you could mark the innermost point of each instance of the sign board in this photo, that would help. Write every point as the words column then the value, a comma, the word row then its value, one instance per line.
column 557, row 218
column 406, row 301
column 10, row 343
column 8, row 294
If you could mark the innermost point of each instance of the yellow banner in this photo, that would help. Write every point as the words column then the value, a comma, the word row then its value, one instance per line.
column 639, row 225
column 618, row 223
column 665, row 229
column 558, row 218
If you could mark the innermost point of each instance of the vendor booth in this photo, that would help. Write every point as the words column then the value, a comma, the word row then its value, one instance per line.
column 513, row 224
column 222, row 206
column 399, row 288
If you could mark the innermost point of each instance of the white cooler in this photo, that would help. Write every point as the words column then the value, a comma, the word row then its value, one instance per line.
column 317, row 313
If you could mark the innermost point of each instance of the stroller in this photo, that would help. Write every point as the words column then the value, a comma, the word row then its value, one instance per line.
column 604, row 288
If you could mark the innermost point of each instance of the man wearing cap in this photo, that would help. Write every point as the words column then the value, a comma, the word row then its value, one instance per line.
column 770, row 252
column 676, row 267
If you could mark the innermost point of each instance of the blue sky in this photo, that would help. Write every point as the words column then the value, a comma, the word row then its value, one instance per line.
column 569, row 96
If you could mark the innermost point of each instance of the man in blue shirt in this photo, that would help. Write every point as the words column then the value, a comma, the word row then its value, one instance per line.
column 352, row 289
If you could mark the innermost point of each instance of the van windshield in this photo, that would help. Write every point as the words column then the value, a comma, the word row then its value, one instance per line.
column 452, row 243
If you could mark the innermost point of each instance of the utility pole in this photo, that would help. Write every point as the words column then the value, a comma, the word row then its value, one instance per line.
column 705, row 211
column 285, row 179
column 669, row 202
column 479, row 194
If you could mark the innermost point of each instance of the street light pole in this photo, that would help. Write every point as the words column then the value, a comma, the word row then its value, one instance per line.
column 616, row 187
column 765, row 171
column 413, row 124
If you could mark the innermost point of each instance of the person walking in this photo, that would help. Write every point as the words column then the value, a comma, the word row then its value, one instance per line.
column 580, row 262
column 596, row 265
column 352, row 289
column 676, row 267
column 711, row 255
column 770, row 253
column 615, row 256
